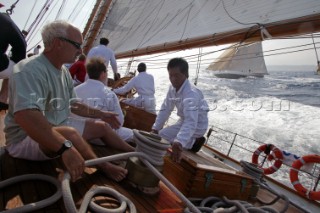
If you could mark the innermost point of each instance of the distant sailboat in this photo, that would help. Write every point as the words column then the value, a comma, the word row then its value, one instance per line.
column 240, row 61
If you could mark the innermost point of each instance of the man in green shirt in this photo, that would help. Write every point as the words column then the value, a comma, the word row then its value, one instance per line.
column 41, row 97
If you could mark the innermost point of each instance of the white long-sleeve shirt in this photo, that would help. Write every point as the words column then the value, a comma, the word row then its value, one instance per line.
column 95, row 94
column 192, row 110
column 144, row 84
column 106, row 53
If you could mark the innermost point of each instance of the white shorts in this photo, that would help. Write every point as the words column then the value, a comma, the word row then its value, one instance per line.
column 29, row 149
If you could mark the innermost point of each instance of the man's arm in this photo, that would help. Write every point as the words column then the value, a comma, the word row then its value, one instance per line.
column 37, row 127
column 84, row 110
column 113, row 63
column 126, row 88
column 164, row 113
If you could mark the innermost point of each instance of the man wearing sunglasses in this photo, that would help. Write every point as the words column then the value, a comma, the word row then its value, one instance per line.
column 38, row 125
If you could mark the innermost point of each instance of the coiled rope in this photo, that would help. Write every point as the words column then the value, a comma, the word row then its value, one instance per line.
column 37, row 205
column 67, row 196
column 218, row 205
column 152, row 145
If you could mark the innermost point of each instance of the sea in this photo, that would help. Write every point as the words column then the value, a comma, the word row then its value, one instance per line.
column 282, row 108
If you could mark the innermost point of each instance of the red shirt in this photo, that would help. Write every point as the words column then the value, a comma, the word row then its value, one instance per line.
column 78, row 70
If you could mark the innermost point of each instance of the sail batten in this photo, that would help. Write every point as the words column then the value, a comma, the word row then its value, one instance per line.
column 140, row 27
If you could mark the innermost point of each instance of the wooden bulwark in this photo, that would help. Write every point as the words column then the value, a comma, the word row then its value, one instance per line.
column 136, row 118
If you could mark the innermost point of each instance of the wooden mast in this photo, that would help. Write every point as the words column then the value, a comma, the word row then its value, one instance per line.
column 92, row 15
column 97, row 23
column 297, row 26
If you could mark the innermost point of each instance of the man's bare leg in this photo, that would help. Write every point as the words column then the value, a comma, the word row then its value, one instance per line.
column 98, row 129
column 114, row 172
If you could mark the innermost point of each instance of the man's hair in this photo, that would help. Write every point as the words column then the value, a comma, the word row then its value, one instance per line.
column 142, row 67
column 82, row 57
column 55, row 29
column 95, row 66
column 181, row 63
column 104, row 41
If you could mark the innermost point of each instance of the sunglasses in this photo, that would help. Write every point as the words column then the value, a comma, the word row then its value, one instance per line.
column 75, row 44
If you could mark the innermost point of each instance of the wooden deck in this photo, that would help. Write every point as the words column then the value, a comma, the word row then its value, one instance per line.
column 33, row 191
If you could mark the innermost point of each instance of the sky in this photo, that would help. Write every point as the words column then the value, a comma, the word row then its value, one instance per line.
column 23, row 18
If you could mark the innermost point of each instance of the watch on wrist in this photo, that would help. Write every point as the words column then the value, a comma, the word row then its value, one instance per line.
column 65, row 146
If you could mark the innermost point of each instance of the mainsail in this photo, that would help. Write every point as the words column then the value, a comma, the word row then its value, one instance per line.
column 140, row 27
column 240, row 61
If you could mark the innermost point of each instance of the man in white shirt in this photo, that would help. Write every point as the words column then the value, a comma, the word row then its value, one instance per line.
column 192, row 109
column 144, row 84
column 94, row 93
column 107, row 54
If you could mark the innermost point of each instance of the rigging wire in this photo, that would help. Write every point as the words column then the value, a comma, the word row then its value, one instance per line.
column 25, row 25
column 39, row 17
column 198, row 66
column 315, row 49
column 76, row 8
column 57, row 16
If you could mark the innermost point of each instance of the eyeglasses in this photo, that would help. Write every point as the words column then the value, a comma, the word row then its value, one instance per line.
column 75, row 44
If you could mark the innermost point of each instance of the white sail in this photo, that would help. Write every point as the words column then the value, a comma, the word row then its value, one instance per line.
column 139, row 27
column 240, row 61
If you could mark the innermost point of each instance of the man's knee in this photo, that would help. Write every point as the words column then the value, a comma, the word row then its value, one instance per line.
column 98, row 127
column 69, row 133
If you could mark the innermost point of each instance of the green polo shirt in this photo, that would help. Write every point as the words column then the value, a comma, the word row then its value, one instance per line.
column 37, row 84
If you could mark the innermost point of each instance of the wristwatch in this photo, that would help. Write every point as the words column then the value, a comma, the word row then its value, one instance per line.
column 65, row 146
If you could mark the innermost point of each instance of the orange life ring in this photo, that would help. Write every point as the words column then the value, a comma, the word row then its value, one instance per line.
column 296, row 165
column 267, row 149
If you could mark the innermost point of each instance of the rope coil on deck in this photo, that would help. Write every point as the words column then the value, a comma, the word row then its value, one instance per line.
column 37, row 205
column 224, row 205
column 67, row 196
column 152, row 145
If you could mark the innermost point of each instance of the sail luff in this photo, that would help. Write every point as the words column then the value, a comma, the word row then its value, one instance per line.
column 100, row 16
column 92, row 15
column 298, row 26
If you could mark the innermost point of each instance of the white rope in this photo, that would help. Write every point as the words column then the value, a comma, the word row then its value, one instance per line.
column 67, row 196
column 37, row 205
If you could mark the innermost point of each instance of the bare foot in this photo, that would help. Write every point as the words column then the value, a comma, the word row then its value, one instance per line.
column 114, row 172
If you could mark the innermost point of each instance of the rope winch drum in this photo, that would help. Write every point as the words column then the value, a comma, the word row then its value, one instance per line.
column 153, row 146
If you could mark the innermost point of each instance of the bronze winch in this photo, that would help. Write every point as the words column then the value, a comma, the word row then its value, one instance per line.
column 153, row 146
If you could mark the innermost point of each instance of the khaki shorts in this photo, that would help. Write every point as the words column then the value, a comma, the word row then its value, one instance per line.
column 29, row 149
